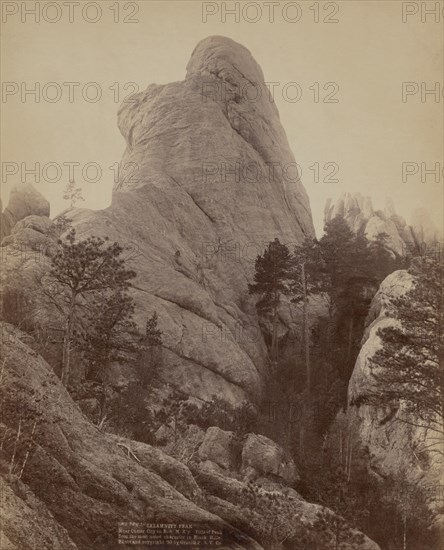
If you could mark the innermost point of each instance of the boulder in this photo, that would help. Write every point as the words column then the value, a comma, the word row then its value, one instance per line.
column 218, row 447
column 33, row 233
column 267, row 458
column 24, row 201
column 40, row 224
column 170, row 469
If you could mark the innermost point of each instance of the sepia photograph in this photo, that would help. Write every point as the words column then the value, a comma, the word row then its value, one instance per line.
column 221, row 275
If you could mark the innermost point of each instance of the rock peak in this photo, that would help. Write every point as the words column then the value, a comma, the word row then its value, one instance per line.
column 207, row 192
column 358, row 212
column 219, row 54
column 24, row 200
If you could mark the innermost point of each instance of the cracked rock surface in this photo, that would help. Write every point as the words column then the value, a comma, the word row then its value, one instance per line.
column 206, row 181
column 393, row 445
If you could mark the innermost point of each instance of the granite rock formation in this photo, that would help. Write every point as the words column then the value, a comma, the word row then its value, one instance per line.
column 360, row 215
column 205, row 183
column 32, row 233
column 394, row 446
column 24, row 201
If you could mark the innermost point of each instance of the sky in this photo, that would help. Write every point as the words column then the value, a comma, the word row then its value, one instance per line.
column 350, row 129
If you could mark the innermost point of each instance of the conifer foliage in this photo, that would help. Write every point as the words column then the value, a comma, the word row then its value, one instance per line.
column 409, row 365
column 271, row 281
column 88, row 272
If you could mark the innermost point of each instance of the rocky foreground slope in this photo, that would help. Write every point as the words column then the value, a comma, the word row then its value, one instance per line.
column 67, row 485
column 78, row 483
column 205, row 183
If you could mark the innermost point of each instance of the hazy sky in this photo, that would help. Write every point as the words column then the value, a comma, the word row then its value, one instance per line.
column 367, row 54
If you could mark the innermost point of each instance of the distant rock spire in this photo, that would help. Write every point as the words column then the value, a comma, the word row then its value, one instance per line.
column 358, row 212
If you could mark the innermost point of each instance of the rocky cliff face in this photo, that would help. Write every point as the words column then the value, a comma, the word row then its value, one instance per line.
column 361, row 217
column 206, row 182
column 394, row 446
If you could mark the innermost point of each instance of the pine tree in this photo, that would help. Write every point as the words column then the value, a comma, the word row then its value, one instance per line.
column 274, row 518
column 345, row 508
column 109, row 331
column 149, row 359
column 272, row 280
column 153, row 334
column 411, row 509
column 108, row 335
column 352, row 300
column 335, row 533
column 408, row 367
column 305, row 281
column 336, row 246
column 384, row 260
column 72, row 193
column 80, row 270
column 350, row 279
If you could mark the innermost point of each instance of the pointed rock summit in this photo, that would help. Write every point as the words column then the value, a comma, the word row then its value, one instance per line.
column 207, row 180
column 215, row 141
column 24, row 201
